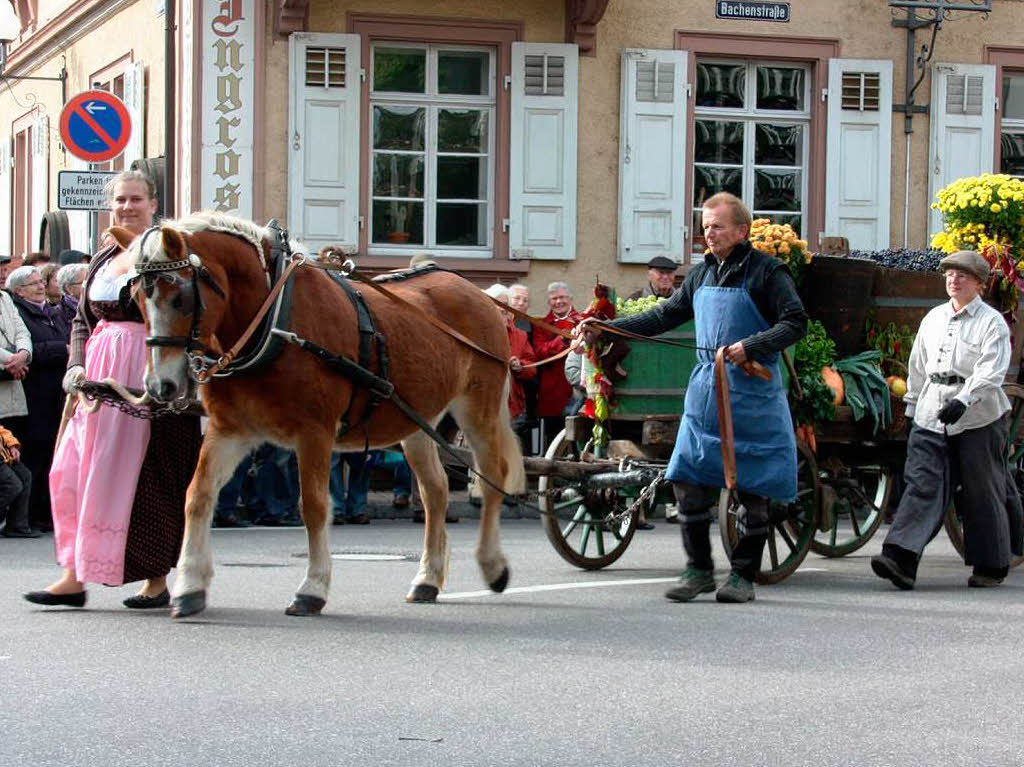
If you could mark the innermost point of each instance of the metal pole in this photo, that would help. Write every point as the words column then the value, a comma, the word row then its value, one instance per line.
column 170, row 108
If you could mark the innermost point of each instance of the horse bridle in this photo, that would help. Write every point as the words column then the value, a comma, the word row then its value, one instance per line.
column 199, row 356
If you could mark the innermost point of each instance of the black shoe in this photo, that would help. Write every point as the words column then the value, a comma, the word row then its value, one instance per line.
column 673, row 520
column 887, row 567
column 644, row 526
column 230, row 520
column 27, row 533
column 358, row 519
column 977, row 581
column 140, row 602
column 400, row 502
column 289, row 521
column 43, row 527
column 53, row 600
column 339, row 519
column 418, row 518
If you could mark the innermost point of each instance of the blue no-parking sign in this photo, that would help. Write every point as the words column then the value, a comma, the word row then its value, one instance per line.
column 95, row 126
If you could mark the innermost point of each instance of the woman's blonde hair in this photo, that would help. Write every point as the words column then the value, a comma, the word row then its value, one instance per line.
column 126, row 176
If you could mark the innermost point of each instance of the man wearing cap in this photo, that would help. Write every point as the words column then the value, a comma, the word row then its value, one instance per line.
column 661, row 277
column 958, row 436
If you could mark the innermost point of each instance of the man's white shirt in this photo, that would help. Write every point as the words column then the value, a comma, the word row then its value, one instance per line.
column 973, row 344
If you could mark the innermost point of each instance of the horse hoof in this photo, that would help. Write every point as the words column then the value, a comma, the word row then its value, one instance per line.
column 498, row 584
column 188, row 604
column 304, row 605
column 422, row 593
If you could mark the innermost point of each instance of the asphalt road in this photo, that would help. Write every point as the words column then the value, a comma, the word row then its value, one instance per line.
column 831, row 667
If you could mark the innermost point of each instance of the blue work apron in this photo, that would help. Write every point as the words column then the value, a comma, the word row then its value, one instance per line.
column 763, row 428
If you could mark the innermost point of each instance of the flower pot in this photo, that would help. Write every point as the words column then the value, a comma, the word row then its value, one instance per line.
column 399, row 237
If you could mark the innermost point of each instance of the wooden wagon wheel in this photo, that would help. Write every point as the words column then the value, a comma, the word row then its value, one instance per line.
column 953, row 522
column 858, row 503
column 791, row 525
column 575, row 519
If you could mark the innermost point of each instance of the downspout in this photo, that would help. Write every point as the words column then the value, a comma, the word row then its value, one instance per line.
column 170, row 108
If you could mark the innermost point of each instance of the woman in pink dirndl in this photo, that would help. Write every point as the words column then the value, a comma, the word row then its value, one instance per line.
column 117, row 483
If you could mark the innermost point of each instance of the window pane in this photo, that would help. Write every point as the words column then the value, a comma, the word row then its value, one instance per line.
column 399, row 69
column 397, row 175
column 720, row 85
column 777, row 190
column 460, row 178
column 718, row 141
column 780, row 88
column 1013, row 97
column 1011, row 156
column 461, row 130
column 709, row 181
column 782, row 218
column 398, row 222
column 397, row 127
column 461, row 224
column 464, row 72
column 778, row 144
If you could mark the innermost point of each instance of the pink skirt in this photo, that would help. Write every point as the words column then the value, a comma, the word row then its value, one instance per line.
column 97, row 461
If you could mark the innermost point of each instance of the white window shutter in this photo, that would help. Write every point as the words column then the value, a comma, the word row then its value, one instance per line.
column 962, row 127
column 859, row 152
column 135, row 100
column 542, row 152
column 652, row 155
column 323, row 139
column 5, row 196
column 40, row 176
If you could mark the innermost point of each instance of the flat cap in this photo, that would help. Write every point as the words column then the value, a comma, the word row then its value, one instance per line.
column 970, row 261
column 661, row 262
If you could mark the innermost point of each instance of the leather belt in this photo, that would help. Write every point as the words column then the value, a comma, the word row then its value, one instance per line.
column 939, row 378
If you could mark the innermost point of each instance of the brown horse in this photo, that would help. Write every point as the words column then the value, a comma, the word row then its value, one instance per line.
column 297, row 402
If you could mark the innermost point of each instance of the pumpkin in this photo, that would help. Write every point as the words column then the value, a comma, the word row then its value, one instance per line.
column 834, row 381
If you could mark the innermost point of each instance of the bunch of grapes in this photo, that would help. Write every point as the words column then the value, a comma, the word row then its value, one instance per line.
column 632, row 306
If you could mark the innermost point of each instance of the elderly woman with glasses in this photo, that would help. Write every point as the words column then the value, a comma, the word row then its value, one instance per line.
column 117, row 482
column 69, row 281
column 37, row 431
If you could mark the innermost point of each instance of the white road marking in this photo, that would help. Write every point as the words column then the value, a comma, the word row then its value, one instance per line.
column 371, row 557
column 555, row 587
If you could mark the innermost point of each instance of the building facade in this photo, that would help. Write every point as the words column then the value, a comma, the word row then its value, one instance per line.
column 529, row 141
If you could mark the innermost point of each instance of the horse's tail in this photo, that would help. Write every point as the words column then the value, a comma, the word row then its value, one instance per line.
column 511, row 448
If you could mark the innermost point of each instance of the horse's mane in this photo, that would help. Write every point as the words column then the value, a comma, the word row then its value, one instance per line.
column 212, row 221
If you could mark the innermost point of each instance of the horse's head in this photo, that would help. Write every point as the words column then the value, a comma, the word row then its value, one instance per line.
column 180, row 302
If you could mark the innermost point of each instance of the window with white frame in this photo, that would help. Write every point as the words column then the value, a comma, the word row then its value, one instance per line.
column 432, row 149
column 1011, row 139
column 752, row 123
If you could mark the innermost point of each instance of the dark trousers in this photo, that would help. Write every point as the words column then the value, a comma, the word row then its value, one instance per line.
column 974, row 460
column 697, row 509
column 15, row 490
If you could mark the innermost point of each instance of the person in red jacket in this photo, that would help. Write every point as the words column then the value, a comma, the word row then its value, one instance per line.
column 554, row 391
column 521, row 354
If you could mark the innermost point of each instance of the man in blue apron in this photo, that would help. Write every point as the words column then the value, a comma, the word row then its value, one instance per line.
column 745, row 300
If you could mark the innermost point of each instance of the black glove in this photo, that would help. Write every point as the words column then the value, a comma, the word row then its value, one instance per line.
column 952, row 411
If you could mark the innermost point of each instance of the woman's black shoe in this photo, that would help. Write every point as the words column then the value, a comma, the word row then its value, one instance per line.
column 141, row 602
column 54, row 600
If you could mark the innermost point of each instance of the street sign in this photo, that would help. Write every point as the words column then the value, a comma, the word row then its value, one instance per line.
column 82, row 189
column 95, row 126
column 751, row 11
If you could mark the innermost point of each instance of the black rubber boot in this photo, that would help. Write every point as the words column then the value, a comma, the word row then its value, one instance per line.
column 697, row 544
column 746, row 557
